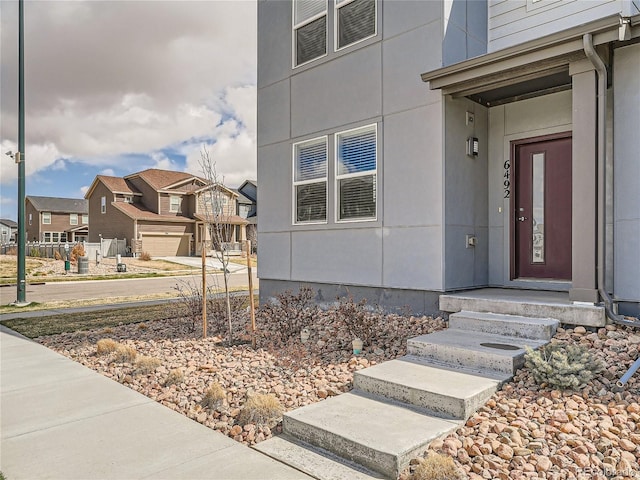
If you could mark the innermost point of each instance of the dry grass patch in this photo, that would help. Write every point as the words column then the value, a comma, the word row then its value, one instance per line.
column 145, row 364
column 214, row 397
column 144, row 256
column 125, row 354
column 261, row 409
column 175, row 377
column 437, row 467
column 105, row 346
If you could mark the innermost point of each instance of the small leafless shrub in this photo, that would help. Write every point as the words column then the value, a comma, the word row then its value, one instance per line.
column 12, row 251
column 125, row 354
column 145, row 364
column 286, row 317
column 360, row 322
column 261, row 409
column 174, row 377
column 214, row 397
column 142, row 326
column 57, row 256
column 105, row 346
column 144, row 256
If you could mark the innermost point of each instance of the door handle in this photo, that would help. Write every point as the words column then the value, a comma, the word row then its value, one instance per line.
column 522, row 219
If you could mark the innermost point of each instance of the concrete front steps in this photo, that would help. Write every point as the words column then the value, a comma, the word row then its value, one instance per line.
column 398, row 407
column 525, row 303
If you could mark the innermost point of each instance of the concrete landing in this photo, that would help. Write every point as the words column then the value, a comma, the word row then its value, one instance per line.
column 526, row 303
column 465, row 349
column 445, row 393
column 380, row 436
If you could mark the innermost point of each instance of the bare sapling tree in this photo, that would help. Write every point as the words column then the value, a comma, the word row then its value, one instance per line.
column 216, row 205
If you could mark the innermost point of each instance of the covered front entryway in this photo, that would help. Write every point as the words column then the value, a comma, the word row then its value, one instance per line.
column 166, row 245
column 540, row 242
column 534, row 113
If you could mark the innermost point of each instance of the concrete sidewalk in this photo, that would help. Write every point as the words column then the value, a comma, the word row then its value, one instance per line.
column 61, row 420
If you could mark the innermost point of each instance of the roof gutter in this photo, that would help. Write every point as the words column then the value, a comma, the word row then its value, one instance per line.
column 601, row 69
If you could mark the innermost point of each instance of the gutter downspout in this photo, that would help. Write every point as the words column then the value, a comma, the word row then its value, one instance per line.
column 601, row 69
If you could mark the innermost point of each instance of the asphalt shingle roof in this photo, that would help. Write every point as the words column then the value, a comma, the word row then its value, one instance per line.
column 62, row 205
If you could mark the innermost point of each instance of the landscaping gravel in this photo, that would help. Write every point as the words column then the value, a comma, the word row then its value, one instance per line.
column 523, row 431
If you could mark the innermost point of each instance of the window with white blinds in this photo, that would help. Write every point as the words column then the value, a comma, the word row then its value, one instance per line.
column 310, row 181
column 356, row 169
column 309, row 30
column 355, row 21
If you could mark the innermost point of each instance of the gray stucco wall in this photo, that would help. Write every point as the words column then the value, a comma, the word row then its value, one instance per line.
column 465, row 30
column 626, row 107
column 374, row 82
column 466, row 196
column 528, row 118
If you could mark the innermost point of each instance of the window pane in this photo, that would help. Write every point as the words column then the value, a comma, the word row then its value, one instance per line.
column 311, row 40
column 311, row 161
column 357, row 197
column 305, row 9
column 356, row 20
column 311, row 202
column 357, row 152
column 538, row 208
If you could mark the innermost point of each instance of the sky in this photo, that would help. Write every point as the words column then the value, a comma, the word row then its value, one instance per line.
column 115, row 87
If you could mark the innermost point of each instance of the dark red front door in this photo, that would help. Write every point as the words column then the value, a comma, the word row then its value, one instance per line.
column 542, row 209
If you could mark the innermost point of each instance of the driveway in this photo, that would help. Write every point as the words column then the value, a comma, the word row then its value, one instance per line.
column 212, row 263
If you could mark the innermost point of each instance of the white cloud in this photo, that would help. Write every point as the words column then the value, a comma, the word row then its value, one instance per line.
column 168, row 76
column 38, row 157
column 108, row 172
column 84, row 189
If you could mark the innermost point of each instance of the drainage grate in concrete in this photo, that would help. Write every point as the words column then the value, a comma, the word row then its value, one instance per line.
column 500, row 346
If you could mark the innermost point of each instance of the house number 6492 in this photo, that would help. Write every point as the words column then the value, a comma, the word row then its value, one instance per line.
column 507, row 179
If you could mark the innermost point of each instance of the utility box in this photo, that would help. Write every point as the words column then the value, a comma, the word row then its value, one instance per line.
column 67, row 266
column 122, row 267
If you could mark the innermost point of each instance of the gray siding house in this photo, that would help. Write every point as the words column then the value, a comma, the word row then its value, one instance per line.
column 407, row 149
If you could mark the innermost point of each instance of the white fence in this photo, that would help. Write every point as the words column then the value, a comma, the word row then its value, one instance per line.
column 108, row 247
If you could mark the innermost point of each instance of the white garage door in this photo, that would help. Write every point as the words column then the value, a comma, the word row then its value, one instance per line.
column 165, row 245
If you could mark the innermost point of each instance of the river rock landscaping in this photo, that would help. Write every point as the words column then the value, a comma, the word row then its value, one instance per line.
column 524, row 431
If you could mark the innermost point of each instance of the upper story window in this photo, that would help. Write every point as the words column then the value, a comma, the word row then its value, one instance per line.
column 356, row 170
column 309, row 30
column 103, row 204
column 46, row 218
column 355, row 21
column 85, row 219
column 310, row 181
column 128, row 199
column 73, row 219
column 30, row 218
column 174, row 203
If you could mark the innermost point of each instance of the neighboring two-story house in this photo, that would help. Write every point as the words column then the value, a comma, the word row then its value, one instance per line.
column 56, row 220
column 160, row 212
column 8, row 231
column 406, row 149
column 248, row 208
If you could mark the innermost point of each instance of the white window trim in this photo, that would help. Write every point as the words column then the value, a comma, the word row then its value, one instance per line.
column 128, row 199
column 44, row 222
column 339, row 4
column 324, row 179
column 171, row 205
column 84, row 215
column 296, row 26
column 71, row 217
column 103, row 204
column 338, row 177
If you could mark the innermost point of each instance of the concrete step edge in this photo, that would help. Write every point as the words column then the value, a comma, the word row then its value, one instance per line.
column 314, row 461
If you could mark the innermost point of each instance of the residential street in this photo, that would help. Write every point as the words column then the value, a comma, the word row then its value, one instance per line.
column 79, row 290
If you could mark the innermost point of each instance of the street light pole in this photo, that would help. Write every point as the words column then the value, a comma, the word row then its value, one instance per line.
column 22, row 287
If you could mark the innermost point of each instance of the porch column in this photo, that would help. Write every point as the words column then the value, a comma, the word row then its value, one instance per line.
column 584, row 183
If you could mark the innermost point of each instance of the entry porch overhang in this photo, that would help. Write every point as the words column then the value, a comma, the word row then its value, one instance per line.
column 530, row 69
